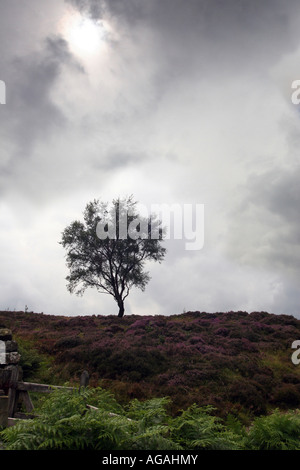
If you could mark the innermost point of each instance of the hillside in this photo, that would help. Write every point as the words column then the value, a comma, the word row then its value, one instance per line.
column 238, row 362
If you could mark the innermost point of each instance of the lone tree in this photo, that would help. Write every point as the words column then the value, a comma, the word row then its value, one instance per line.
column 109, row 249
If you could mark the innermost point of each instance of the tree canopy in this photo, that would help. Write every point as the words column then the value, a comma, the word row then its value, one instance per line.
column 109, row 249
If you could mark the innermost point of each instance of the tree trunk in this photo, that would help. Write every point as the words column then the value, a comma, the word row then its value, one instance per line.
column 121, row 308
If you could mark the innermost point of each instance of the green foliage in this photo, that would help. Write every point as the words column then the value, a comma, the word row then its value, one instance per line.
column 277, row 431
column 197, row 429
column 153, row 426
column 149, row 412
column 235, row 425
column 33, row 363
column 65, row 422
column 104, row 400
column 30, row 359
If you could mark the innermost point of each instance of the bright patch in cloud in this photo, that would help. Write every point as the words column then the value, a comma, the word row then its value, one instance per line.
column 85, row 36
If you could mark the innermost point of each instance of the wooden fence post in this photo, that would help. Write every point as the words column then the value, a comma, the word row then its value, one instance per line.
column 3, row 410
column 25, row 398
column 84, row 379
column 13, row 392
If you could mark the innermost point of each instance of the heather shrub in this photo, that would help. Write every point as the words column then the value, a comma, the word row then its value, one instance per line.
column 222, row 331
column 193, row 357
column 132, row 361
column 248, row 395
column 287, row 395
column 67, row 342
column 290, row 378
column 266, row 382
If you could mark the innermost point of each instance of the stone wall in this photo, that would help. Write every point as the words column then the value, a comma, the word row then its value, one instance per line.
column 10, row 348
column 9, row 358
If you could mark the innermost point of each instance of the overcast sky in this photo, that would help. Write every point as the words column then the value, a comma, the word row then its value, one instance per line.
column 173, row 101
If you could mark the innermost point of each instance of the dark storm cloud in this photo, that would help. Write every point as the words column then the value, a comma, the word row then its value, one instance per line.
column 117, row 159
column 30, row 115
column 265, row 228
column 281, row 192
column 210, row 30
column 31, row 111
